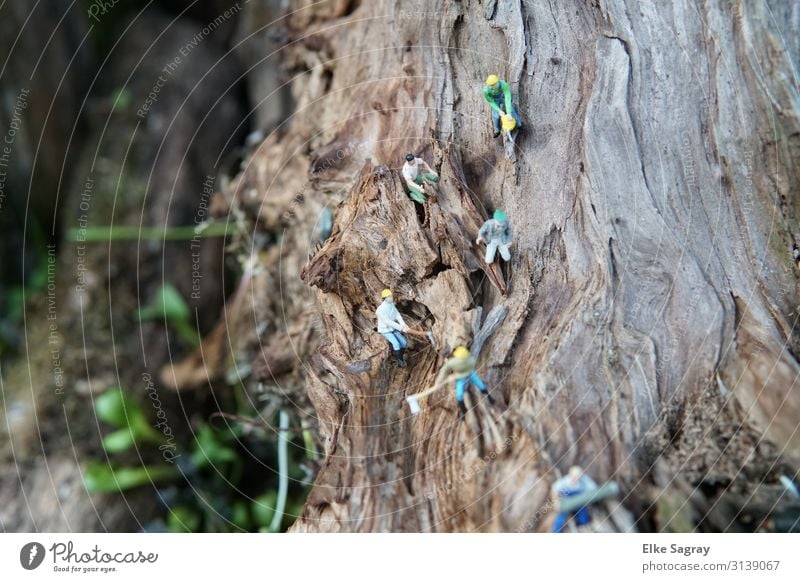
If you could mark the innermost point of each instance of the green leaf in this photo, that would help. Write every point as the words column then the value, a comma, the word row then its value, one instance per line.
column 182, row 519
column 120, row 410
column 168, row 304
column 209, row 449
column 118, row 441
column 113, row 406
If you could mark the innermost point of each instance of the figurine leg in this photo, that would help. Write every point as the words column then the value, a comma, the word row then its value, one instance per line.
column 515, row 115
column 462, row 408
column 475, row 379
column 401, row 353
column 401, row 340
column 560, row 522
column 392, row 339
column 504, row 252
column 491, row 250
column 496, row 122
column 431, row 177
column 416, row 194
column 582, row 516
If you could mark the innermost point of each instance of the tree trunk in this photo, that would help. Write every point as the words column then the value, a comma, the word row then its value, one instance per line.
column 650, row 318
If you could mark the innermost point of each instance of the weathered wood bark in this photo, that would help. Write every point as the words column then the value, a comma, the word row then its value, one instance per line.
column 651, row 329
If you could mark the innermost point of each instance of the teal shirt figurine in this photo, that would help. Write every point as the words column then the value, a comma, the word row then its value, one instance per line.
column 497, row 94
column 496, row 233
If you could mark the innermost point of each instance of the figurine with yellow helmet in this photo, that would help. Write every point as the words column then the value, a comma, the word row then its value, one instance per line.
column 391, row 326
column 462, row 366
column 497, row 94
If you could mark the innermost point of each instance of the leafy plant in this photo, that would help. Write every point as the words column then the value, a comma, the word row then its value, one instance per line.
column 213, row 464
column 119, row 410
column 169, row 307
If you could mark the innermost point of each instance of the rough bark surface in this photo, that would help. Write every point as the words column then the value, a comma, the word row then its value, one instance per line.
column 650, row 331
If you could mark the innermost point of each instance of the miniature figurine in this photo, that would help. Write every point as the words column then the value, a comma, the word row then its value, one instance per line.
column 574, row 483
column 391, row 326
column 496, row 232
column 415, row 172
column 498, row 95
column 462, row 366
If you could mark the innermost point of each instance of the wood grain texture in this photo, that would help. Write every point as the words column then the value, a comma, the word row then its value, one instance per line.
column 650, row 332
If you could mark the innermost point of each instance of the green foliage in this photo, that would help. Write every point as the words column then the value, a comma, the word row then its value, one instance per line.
column 119, row 410
column 103, row 478
column 169, row 307
column 212, row 448
column 217, row 499
column 116, row 408
column 184, row 519
column 121, row 100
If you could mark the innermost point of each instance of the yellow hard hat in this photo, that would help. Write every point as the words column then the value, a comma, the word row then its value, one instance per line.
column 492, row 80
column 461, row 352
column 509, row 123
column 386, row 293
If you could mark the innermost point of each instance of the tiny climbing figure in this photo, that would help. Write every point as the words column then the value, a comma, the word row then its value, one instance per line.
column 498, row 95
column 415, row 172
column 496, row 233
column 391, row 326
column 462, row 367
column 575, row 483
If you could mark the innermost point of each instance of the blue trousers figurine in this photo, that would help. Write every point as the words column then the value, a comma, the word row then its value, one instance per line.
column 574, row 483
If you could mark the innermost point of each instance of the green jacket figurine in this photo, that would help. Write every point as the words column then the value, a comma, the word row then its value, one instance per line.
column 497, row 94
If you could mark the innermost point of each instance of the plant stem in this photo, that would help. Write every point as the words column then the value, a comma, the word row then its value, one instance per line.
column 308, row 441
column 107, row 233
column 283, row 471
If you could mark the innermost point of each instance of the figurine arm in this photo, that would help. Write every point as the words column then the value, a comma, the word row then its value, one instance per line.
column 483, row 232
column 443, row 373
column 490, row 101
column 410, row 182
column 427, row 168
column 507, row 96
column 554, row 498
column 399, row 323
